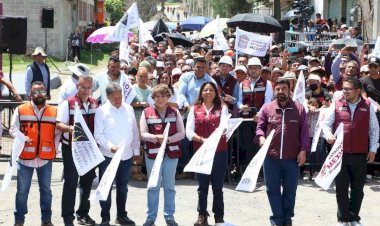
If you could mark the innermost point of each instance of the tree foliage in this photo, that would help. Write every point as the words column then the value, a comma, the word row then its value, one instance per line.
column 229, row 8
column 115, row 8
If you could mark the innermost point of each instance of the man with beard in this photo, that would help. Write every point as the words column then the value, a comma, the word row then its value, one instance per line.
column 286, row 153
column 113, row 74
column 254, row 92
column 36, row 120
column 226, row 82
column 361, row 136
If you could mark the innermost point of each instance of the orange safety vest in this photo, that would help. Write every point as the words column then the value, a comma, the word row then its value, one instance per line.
column 40, row 131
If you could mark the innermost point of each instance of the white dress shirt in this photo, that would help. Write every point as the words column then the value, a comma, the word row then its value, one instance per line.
column 68, row 89
column 115, row 126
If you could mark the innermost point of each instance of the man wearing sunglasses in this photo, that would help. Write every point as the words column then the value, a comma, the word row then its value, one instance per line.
column 36, row 120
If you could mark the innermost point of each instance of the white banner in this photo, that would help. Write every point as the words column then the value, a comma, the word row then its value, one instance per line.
column 333, row 163
column 86, row 153
column 127, row 90
column 220, row 42
column 318, row 128
column 144, row 34
column 299, row 91
column 128, row 21
column 249, row 179
column 155, row 173
column 18, row 146
column 233, row 124
column 106, row 182
column 252, row 44
column 124, row 51
column 374, row 104
column 202, row 160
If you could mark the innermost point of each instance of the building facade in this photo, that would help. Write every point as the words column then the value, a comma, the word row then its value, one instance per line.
column 68, row 14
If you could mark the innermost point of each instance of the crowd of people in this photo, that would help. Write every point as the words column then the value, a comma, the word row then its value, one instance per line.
column 194, row 90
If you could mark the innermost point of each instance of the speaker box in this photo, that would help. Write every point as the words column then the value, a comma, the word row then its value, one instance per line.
column 47, row 19
column 13, row 32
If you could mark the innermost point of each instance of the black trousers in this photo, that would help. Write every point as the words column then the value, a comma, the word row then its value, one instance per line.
column 70, row 185
column 352, row 175
column 76, row 51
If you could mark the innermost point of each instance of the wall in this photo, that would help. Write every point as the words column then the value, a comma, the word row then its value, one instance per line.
column 64, row 22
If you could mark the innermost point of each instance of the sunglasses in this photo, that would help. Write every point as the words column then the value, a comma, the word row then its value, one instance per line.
column 36, row 93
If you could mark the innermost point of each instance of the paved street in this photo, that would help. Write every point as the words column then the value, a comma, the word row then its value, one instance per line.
column 314, row 206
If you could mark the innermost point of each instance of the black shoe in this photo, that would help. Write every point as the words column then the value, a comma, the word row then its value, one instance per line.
column 85, row 220
column 125, row 221
column 105, row 223
column 69, row 224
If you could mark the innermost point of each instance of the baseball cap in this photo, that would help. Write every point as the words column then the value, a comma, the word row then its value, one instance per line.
column 278, row 70
column 225, row 60
column 364, row 68
column 314, row 59
column 241, row 68
column 373, row 60
column 343, row 26
column 266, row 69
column 314, row 77
column 160, row 64
column 176, row 71
column 289, row 75
column 254, row 61
column 302, row 68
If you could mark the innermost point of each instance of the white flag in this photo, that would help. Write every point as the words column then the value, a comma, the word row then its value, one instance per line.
column 252, row 44
column 220, row 42
column 86, row 153
column 128, row 21
column 18, row 146
column 144, row 34
column 318, row 128
column 233, row 124
column 202, row 160
column 155, row 173
column 105, row 184
column 333, row 163
column 299, row 91
column 249, row 179
column 124, row 51
column 127, row 90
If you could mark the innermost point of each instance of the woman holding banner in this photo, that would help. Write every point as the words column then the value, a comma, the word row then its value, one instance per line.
column 152, row 125
column 204, row 117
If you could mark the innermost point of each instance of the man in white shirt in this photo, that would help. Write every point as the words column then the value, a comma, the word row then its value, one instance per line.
column 115, row 127
column 69, row 88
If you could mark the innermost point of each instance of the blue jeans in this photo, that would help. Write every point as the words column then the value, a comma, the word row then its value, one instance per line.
column 167, row 177
column 121, row 178
column 24, row 179
column 216, row 178
column 281, row 173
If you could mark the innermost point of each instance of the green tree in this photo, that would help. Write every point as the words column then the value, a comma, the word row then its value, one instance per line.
column 115, row 8
column 228, row 8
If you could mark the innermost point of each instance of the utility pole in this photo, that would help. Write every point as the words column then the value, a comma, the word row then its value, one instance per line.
column 277, row 9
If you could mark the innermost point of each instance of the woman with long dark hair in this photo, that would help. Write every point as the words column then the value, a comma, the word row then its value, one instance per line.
column 204, row 117
column 174, row 100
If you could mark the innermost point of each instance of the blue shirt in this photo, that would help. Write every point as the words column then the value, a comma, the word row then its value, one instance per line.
column 29, row 77
column 190, row 85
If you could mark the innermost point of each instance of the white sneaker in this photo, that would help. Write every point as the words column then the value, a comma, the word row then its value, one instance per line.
column 356, row 223
column 341, row 223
